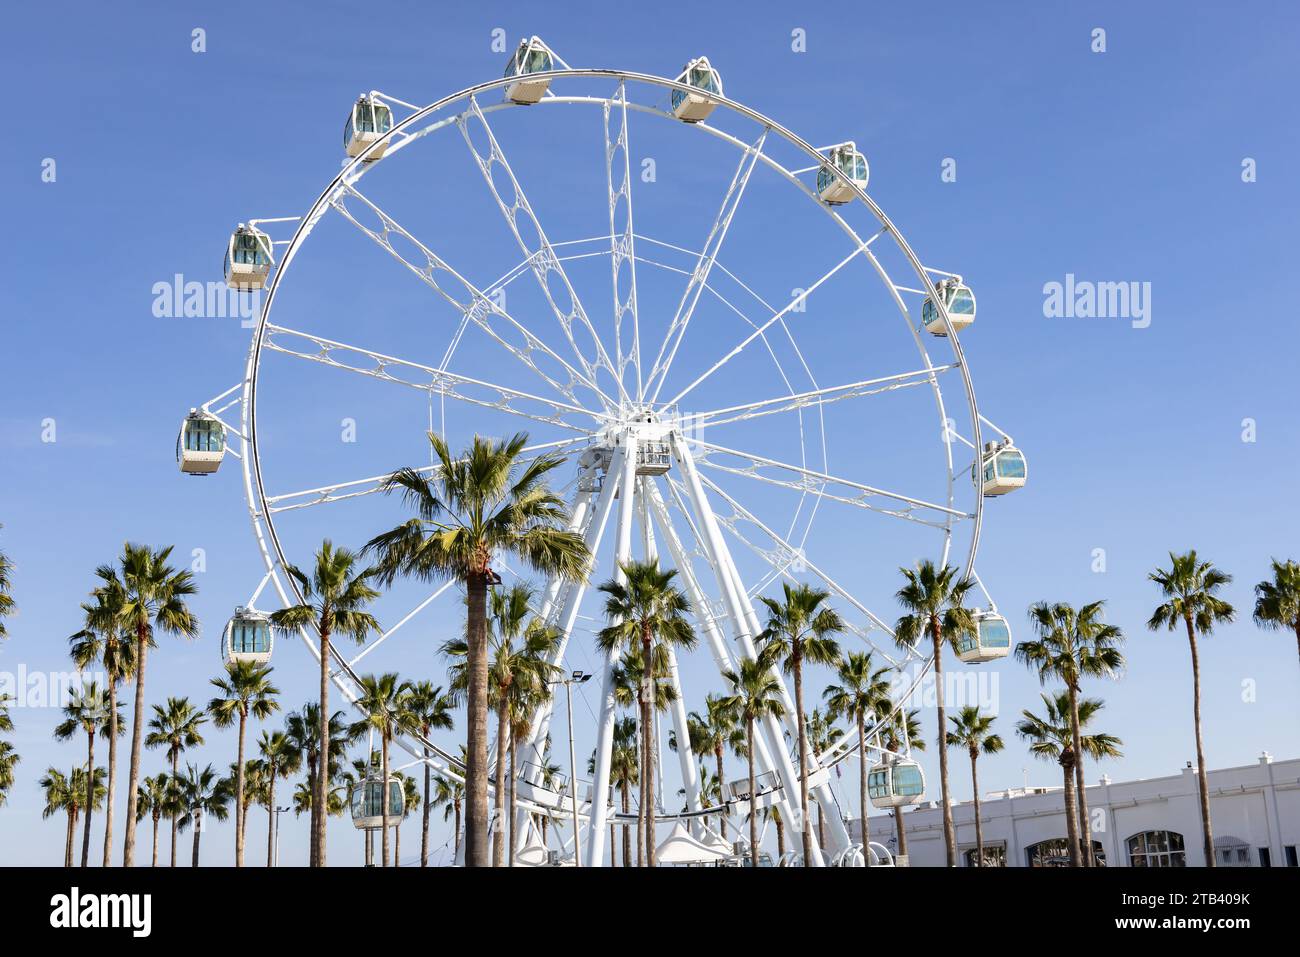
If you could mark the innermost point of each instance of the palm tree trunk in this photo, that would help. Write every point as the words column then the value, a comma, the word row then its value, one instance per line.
column 648, row 733
column 176, row 757
column 780, row 834
column 370, row 847
column 424, row 831
column 1085, row 826
column 313, row 810
column 722, row 790
column 1071, row 811
column 240, row 811
column 137, row 728
column 383, row 839
column 627, row 837
column 949, row 834
column 397, row 843
column 198, row 833
column 805, row 822
column 270, row 818
column 902, row 831
column 640, row 759
column 456, row 804
column 1202, row 778
column 90, row 797
column 753, row 795
column 476, row 818
column 154, row 863
column 862, row 787
column 979, row 825
column 510, row 857
column 320, row 804
column 112, row 769
column 499, row 790
column 68, row 839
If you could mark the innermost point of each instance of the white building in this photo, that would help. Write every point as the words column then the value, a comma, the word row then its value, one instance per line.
column 1154, row 822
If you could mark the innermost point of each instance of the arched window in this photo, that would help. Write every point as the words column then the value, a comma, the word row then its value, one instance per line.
column 1056, row 853
column 1156, row 849
column 995, row 855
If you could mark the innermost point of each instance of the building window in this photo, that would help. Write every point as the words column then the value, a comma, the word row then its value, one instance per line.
column 1265, row 858
column 995, row 855
column 1291, row 856
column 1056, row 853
column 1231, row 852
column 1157, row 849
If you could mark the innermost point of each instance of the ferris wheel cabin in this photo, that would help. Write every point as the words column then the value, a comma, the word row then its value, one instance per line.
column 847, row 168
column 248, row 259
column 532, row 56
column 1004, row 468
column 366, row 799
column 694, row 107
column 201, row 445
column 368, row 122
column 991, row 640
column 247, row 637
column 960, row 303
column 895, row 782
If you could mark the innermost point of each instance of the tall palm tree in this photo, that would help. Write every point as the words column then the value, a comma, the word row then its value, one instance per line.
column 711, row 732
column 334, row 599
column 87, row 712
column 103, row 640
column 203, row 795
column 822, row 733
column 245, row 690
column 935, row 601
column 69, row 794
column 450, row 796
column 1277, row 602
column 1191, row 588
column 755, row 696
column 488, row 502
column 624, row 774
column 1051, row 738
column 901, row 733
column 382, row 706
column 153, row 600
column 151, row 800
column 6, row 592
column 174, row 727
column 630, row 680
column 1072, row 645
column 860, row 694
column 280, row 757
column 304, row 794
column 800, row 629
column 303, row 729
column 974, row 732
column 427, row 709
column 647, row 611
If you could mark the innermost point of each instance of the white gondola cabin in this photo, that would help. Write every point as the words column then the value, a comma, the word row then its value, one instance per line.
column 366, row 800
column 895, row 782
column 248, row 259
column 847, row 168
column 201, row 445
column 248, row 637
column 960, row 302
column 532, row 56
column 694, row 107
column 990, row 641
column 368, row 122
column 1004, row 468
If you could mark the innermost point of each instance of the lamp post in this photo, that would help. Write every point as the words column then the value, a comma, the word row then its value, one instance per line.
column 278, row 812
column 576, row 677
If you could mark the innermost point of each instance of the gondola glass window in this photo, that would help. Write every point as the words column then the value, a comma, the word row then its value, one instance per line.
column 204, row 435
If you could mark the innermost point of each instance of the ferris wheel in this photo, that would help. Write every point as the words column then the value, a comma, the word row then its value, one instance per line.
column 757, row 381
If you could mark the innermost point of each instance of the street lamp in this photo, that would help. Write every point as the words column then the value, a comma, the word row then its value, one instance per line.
column 276, row 824
column 576, row 677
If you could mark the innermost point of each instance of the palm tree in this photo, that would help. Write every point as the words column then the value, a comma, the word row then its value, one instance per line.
column 334, row 599
column 102, row 640
column 70, row 795
column 381, row 702
column 8, row 757
column 488, row 502
column 822, row 733
column 624, row 774
column 973, row 731
column 152, row 800
column 800, row 629
column 6, row 592
column 646, row 610
column 935, row 598
column 755, row 696
column 427, row 708
column 174, row 727
column 280, row 757
column 450, row 796
column 711, row 732
column 87, row 712
column 1191, row 587
column 410, row 801
column 901, row 733
column 303, row 729
column 304, row 794
column 1277, row 602
column 245, row 690
column 1071, row 645
column 629, row 680
column 862, row 691
column 202, row 793
column 153, row 599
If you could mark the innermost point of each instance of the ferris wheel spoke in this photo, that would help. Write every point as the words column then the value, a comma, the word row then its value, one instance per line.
column 356, row 488
column 622, row 246
column 545, row 265
column 817, row 483
column 473, row 304
column 371, row 646
column 815, row 397
column 703, row 266
column 427, row 379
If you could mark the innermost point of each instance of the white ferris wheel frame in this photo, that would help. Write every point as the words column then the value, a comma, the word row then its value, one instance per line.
column 689, row 497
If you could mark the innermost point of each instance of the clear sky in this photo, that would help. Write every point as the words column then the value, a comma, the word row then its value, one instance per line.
column 1117, row 166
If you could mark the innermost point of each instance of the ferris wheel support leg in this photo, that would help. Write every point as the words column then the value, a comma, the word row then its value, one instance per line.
column 599, row 813
column 745, row 623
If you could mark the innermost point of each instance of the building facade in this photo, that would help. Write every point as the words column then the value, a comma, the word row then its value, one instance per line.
column 1155, row 822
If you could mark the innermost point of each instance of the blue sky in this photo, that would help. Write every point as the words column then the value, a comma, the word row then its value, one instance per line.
column 1114, row 167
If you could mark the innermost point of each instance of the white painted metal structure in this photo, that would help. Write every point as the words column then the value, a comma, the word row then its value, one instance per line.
column 646, row 480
